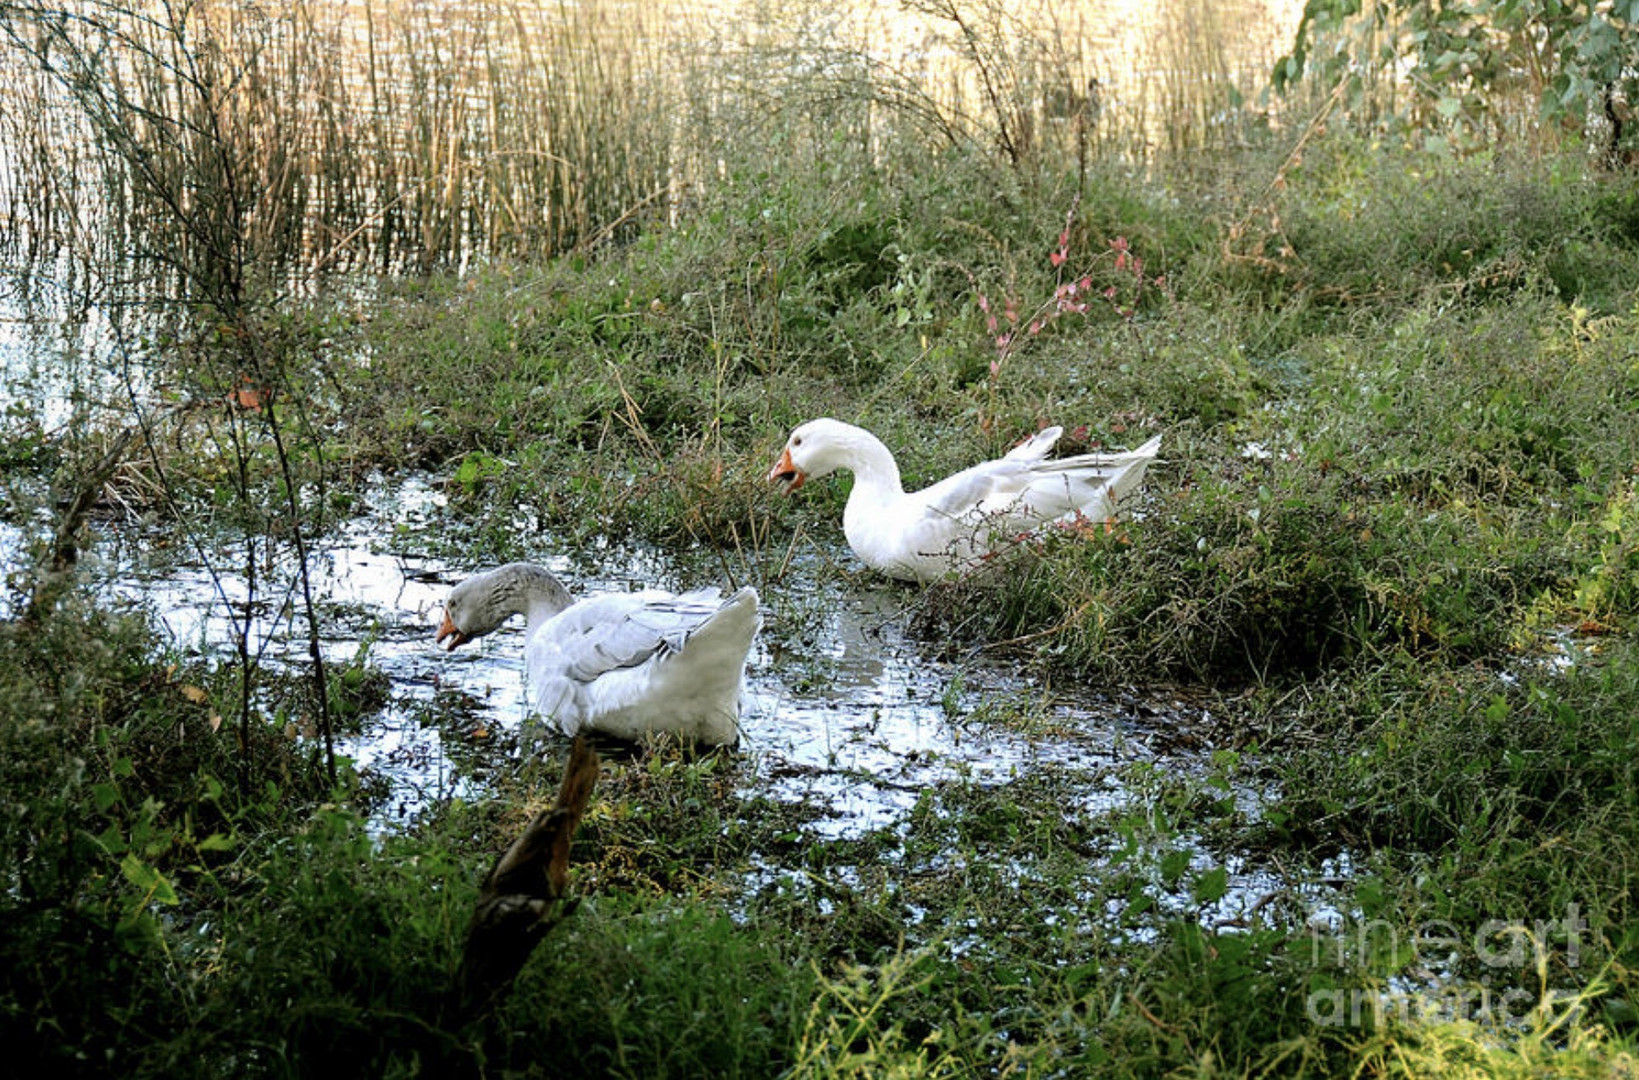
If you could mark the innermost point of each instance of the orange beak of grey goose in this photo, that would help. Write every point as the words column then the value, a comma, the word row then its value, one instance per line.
column 447, row 629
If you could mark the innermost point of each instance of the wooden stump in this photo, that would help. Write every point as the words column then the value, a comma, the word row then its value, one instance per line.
column 522, row 898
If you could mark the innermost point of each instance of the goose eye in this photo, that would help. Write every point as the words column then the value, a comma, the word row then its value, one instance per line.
column 796, row 441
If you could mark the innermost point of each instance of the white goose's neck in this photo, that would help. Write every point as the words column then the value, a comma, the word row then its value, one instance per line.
column 528, row 590
column 876, row 473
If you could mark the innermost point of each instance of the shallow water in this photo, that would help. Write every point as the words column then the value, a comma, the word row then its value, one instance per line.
column 845, row 719
column 849, row 715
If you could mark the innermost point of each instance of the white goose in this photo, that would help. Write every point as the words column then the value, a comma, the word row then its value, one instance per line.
column 622, row 664
column 925, row 534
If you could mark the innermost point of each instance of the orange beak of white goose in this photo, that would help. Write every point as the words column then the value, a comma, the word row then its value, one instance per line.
column 784, row 472
column 447, row 629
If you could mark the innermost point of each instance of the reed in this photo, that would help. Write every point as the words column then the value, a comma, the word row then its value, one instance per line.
column 318, row 136
column 45, row 165
column 1200, row 80
column 383, row 135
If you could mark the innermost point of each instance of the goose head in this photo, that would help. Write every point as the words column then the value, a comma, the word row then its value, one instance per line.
column 817, row 448
column 480, row 604
column 467, row 614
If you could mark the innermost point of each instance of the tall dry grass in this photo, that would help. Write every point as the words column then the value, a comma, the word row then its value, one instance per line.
column 323, row 135
column 387, row 135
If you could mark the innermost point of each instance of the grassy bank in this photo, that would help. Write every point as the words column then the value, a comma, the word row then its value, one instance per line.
column 1394, row 542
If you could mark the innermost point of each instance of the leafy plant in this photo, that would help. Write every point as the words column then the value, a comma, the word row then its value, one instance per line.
column 1571, row 61
column 1009, row 325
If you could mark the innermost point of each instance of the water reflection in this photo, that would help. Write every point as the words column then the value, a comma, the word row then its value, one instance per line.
column 57, row 365
column 848, row 717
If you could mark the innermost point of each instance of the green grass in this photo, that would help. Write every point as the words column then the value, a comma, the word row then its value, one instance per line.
column 1398, row 401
